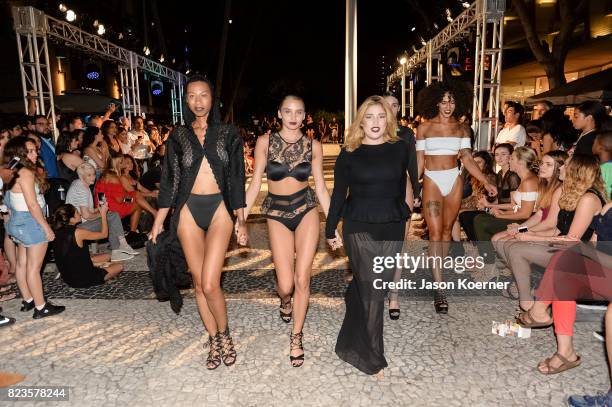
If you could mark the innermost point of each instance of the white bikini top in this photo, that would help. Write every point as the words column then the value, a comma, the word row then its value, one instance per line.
column 18, row 203
column 518, row 197
column 443, row 145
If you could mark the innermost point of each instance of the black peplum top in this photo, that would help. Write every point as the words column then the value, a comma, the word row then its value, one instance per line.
column 370, row 185
column 224, row 152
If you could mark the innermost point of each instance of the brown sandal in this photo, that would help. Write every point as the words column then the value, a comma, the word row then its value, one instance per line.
column 566, row 364
column 526, row 321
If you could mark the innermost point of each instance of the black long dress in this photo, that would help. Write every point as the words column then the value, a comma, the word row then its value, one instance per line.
column 374, row 214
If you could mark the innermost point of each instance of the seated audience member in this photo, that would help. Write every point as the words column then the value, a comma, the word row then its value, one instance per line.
column 588, row 118
column 119, row 200
column 580, row 198
column 602, row 148
column 249, row 161
column 506, row 182
column 513, row 132
column 540, row 108
column 485, row 162
column 534, row 136
column 558, row 132
column 550, row 182
column 524, row 163
column 79, row 196
column 128, row 175
column 576, row 271
column 67, row 161
column 77, row 268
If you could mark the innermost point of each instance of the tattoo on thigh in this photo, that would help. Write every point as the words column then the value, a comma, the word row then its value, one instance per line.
column 433, row 208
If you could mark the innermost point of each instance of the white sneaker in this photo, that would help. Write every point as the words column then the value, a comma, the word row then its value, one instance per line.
column 117, row 255
column 127, row 249
column 594, row 307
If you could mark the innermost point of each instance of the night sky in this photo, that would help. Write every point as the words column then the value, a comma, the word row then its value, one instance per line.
column 298, row 47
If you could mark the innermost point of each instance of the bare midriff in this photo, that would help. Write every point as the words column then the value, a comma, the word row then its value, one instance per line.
column 205, row 182
column 442, row 162
column 286, row 186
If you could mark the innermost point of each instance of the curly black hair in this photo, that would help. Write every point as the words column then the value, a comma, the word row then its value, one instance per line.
column 428, row 99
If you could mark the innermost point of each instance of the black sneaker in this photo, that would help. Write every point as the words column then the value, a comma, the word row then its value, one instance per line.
column 48, row 310
column 27, row 306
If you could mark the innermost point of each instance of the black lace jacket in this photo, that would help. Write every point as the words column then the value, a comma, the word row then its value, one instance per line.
column 224, row 152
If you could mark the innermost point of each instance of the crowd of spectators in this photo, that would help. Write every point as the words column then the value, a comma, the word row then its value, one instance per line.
column 96, row 180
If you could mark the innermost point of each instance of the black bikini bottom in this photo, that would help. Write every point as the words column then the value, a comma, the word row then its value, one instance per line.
column 289, row 209
column 203, row 207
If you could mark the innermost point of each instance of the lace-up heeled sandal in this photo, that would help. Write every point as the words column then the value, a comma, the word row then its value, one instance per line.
column 440, row 303
column 284, row 314
column 226, row 347
column 296, row 343
column 213, row 360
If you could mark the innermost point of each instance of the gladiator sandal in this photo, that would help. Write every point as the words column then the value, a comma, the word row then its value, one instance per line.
column 226, row 346
column 284, row 314
column 296, row 343
column 213, row 360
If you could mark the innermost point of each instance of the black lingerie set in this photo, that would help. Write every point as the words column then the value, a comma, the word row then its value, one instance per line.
column 289, row 160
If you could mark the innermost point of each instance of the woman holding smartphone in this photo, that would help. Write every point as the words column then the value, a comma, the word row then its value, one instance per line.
column 119, row 199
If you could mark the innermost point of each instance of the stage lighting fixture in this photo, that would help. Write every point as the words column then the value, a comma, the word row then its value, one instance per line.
column 157, row 87
column 92, row 71
column 62, row 8
column 101, row 29
column 70, row 16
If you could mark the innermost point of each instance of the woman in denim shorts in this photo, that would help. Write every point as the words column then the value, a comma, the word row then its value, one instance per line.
column 27, row 226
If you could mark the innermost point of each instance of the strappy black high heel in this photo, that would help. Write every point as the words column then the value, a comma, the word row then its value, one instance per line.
column 213, row 360
column 226, row 347
column 296, row 343
column 440, row 303
column 284, row 315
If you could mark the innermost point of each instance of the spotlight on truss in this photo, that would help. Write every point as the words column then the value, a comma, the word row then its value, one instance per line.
column 70, row 16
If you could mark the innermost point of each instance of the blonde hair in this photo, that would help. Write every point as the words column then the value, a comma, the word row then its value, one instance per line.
column 529, row 157
column 355, row 134
column 115, row 168
column 548, row 187
column 582, row 172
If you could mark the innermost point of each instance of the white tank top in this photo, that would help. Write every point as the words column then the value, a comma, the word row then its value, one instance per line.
column 17, row 201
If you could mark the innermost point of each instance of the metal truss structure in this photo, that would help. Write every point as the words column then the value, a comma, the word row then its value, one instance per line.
column 33, row 27
column 487, row 77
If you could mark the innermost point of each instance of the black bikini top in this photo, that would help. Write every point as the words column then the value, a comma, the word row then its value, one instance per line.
column 289, row 159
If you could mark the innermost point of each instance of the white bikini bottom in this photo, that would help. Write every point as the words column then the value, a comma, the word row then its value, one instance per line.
column 444, row 179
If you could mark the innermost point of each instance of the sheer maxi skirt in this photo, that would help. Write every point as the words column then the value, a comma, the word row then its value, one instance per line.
column 360, row 341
